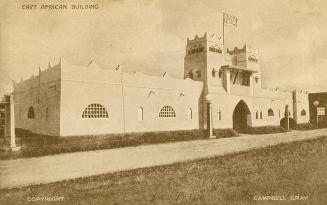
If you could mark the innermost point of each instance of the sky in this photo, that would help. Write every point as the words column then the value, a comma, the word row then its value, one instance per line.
column 150, row 36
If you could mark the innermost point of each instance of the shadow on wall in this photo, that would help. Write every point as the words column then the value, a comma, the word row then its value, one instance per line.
column 283, row 123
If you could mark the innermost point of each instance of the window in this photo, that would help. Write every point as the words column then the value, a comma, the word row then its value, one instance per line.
column 199, row 74
column 270, row 112
column 95, row 111
column 218, row 50
column 211, row 49
column 140, row 113
column 279, row 113
column 167, row 111
column 220, row 73
column 256, row 115
column 190, row 74
column 260, row 114
column 30, row 113
column 303, row 113
column 253, row 58
column 201, row 49
column 46, row 114
column 219, row 114
column 189, row 113
column 214, row 72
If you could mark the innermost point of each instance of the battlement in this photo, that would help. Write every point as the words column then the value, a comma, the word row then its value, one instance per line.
column 246, row 48
column 208, row 36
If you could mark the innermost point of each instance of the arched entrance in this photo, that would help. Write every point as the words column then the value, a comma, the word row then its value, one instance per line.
column 241, row 117
column 283, row 123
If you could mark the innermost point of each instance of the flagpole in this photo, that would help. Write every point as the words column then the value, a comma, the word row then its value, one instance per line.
column 223, row 30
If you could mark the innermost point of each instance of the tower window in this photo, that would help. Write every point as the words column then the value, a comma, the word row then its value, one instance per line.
column 218, row 50
column 253, row 58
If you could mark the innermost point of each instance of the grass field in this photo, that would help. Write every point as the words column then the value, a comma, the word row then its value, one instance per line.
column 294, row 169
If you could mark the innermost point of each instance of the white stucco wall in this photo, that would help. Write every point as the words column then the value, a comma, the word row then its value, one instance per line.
column 43, row 94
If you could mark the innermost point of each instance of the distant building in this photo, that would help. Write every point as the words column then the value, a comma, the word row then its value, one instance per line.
column 70, row 100
column 322, row 99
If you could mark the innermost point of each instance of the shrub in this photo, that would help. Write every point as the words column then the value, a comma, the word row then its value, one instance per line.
column 265, row 130
column 305, row 126
column 223, row 133
column 38, row 145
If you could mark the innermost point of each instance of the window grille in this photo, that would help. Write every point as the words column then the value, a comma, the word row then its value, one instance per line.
column 95, row 111
column 167, row 111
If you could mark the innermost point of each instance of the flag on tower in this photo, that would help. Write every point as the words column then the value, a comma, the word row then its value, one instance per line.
column 230, row 19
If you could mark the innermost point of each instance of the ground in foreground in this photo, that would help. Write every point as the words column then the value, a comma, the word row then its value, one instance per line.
column 286, row 170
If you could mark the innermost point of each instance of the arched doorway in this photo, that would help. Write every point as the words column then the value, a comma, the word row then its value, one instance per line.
column 283, row 123
column 241, row 117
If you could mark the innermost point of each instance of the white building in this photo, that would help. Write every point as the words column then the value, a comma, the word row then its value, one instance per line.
column 70, row 100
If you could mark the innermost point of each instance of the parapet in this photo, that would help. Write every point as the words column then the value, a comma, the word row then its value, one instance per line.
column 246, row 48
column 208, row 36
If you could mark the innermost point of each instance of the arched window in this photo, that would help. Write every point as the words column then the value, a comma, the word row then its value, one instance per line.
column 140, row 113
column 256, row 115
column 270, row 112
column 95, row 111
column 219, row 114
column 46, row 114
column 167, row 111
column 189, row 113
column 30, row 113
column 220, row 73
column 260, row 114
column 303, row 113
column 214, row 72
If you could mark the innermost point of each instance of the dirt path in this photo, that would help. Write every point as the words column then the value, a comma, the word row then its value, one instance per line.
column 22, row 172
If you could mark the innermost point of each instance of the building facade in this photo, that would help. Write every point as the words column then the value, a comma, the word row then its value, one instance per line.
column 69, row 100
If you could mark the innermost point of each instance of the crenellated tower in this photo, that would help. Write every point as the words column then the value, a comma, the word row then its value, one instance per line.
column 204, row 58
